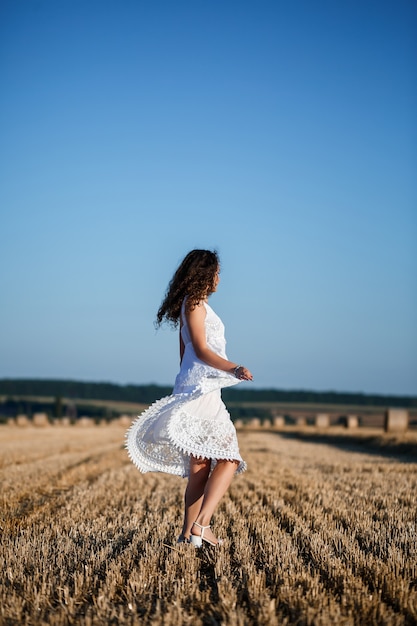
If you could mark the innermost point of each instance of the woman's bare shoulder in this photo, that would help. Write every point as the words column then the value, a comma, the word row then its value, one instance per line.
column 196, row 312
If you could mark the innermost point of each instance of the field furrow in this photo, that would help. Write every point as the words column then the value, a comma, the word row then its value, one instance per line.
column 314, row 535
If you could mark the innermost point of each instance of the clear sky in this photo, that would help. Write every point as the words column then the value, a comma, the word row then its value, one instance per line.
column 283, row 134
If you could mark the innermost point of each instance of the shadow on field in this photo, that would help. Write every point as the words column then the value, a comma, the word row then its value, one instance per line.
column 402, row 451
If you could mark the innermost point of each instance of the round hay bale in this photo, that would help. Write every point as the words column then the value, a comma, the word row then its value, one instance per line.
column 279, row 421
column 352, row 421
column 84, row 422
column 22, row 420
column 239, row 424
column 11, row 421
column 65, row 421
column 255, row 422
column 124, row 420
column 300, row 421
column 322, row 420
column 396, row 421
column 40, row 420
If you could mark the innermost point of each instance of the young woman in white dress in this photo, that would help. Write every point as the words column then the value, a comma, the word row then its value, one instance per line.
column 190, row 432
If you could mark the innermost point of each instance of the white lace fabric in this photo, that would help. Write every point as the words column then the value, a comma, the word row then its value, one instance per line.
column 193, row 420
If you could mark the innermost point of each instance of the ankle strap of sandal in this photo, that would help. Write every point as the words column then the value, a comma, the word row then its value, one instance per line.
column 200, row 526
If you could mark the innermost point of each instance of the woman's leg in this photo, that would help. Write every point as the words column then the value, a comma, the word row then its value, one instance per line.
column 216, row 487
column 194, row 492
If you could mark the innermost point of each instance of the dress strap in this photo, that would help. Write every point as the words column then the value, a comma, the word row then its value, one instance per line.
column 183, row 310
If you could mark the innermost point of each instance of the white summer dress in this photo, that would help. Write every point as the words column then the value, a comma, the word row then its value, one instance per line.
column 193, row 420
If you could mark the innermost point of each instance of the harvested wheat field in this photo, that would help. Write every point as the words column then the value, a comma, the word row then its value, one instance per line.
column 315, row 534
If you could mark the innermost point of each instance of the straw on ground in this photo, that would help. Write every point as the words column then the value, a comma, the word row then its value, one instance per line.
column 315, row 534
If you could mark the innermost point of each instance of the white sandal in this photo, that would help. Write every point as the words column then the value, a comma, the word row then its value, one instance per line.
column 197, row 540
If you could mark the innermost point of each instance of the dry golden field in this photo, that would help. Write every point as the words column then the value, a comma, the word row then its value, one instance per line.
column 317, row 532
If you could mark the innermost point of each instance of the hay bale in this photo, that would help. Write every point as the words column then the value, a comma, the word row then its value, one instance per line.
column 279, row 421
column 239, row 424
column 22, row 420
column 124, row 420
column 396, row 421
column 65, row 421
column 352, row 421
column 255, row 422
column 322, row 420
column 84, row 421
column 40, row 420
column 11, row 421
column 300, row 421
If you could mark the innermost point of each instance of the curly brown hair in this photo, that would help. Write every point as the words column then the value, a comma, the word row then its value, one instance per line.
column 194, row 278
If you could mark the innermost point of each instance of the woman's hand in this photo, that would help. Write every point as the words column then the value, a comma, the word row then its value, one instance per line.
column 242, row 373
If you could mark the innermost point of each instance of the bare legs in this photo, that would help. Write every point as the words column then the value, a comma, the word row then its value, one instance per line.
column 194, row 492
column 204, row 492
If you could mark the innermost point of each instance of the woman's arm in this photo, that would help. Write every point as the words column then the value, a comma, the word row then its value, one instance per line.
column 195, row 320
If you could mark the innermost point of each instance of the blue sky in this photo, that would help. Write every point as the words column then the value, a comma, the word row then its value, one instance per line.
column 281, row 134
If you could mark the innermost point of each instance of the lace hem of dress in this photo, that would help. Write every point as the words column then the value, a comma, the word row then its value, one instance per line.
column 145, row 456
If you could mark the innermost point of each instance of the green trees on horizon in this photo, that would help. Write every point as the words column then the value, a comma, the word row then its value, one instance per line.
column 147, row 394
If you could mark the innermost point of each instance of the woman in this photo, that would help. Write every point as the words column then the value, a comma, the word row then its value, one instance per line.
column 190, row 432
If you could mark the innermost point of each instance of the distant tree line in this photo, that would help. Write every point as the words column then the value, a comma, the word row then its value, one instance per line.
column 83, row 390
column 318, row 397
column 55, row 408
column 146, row 394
